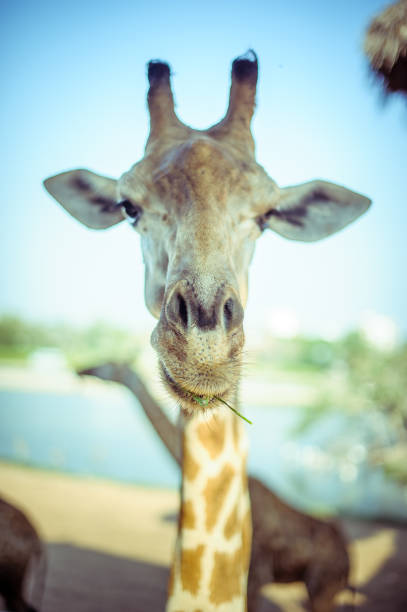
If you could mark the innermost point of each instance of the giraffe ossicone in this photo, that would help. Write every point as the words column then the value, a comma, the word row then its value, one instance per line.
column 199, row 200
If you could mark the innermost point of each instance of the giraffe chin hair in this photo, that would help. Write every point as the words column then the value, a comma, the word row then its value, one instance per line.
column 193, row 402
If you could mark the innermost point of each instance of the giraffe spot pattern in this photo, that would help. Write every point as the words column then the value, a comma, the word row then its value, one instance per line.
column 215, row 493
column 190, row 467
column 191, row 568
column 232, row 524
column 188, row 515
column 225, row 583
column 212, row 437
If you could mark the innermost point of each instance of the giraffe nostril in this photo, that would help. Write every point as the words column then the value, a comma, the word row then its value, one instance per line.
column 182, row 309
column 177, row 310
column 228, row 312
column 232, row 313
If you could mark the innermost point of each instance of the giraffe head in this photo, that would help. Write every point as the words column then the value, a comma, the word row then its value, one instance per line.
column 199, row 200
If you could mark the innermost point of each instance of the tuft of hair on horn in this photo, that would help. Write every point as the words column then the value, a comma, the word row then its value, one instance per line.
column 245, row 67
column 157, row 71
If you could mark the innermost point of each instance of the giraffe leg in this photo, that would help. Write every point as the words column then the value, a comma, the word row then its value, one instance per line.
column 322, row 590
column 253, row 587
column 260, row 573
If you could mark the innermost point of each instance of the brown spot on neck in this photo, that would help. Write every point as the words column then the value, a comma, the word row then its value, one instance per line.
column 232, row 524
column 190, row 467
column 230, row 570
column 215, row 493
column 212, row 437
column 191, row 568
column 226, row 579
column 187, row 515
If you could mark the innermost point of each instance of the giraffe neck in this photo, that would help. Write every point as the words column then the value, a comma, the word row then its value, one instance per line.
column 212, row 551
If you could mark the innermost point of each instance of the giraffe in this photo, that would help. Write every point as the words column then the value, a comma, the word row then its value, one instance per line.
column 199, row 200
column 287, row 545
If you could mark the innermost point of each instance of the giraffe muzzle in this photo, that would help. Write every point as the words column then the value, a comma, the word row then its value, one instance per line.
column 199, row 342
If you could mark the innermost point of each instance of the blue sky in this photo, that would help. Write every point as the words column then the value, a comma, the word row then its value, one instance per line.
column 74, row 91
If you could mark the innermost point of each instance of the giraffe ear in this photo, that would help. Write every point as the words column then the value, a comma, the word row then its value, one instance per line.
column 87, row 196
column 314, row 210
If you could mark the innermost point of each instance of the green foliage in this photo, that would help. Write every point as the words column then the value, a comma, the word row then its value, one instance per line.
column 350, row 375
column 364, row 379
column 18, row 334
column 379, row 378
column 97, row 344
column 80, row 346
column 394, row 462
column 298, row 354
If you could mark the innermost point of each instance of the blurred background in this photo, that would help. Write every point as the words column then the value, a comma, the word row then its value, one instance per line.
column 326, row 355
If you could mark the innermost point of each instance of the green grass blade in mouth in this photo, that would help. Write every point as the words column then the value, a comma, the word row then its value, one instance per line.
column 203, row 401
column 233, row 409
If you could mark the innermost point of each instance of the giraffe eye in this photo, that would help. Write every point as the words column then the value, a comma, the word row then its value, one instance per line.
column 131, row 211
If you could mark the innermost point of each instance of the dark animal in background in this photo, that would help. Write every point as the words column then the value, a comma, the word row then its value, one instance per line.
column 21, row 552
column 290, row 546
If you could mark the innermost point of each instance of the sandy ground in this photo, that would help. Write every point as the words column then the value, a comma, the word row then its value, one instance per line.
column 109, row 547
